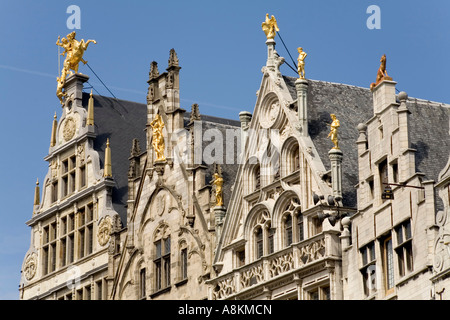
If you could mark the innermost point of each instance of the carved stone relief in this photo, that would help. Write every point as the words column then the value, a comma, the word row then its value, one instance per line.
column 30, row 266
column 69, row 129
column 104, row 231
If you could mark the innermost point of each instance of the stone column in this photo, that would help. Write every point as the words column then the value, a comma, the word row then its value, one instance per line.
column 336, row 156
column 383, row 95
column 302, row 91
column 245, row 117
column 271, row 53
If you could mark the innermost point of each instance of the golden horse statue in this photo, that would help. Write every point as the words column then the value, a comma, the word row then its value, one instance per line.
column 73, row 50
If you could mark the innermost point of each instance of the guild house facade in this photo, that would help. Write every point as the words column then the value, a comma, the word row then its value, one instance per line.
column 324, row 191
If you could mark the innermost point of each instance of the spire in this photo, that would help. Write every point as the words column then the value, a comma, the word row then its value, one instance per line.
column 107, row 170
column 37, row 197
column 154, row 73
column 90, row 117
column 195, row 113
column 173, row 59
column 54, row 126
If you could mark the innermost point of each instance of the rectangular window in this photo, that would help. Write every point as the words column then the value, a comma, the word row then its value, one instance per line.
column 395, row 172
column 54, row 191
column 300, row 227
column 368, row 269
column 63, row 254
column 142, row 280
column 319, row 293
column 388, row 265
column 184, row 261
column 271, row 240
column 162, row 263
column 316, row 225
column 45, row 260
column 404, row 248
column 259, row 243
column 82, row 176
column 288, row 230
column 384, row 178
column 240, row 257
column 98, row 290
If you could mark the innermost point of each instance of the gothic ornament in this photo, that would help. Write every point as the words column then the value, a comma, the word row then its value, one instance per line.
column 104, row 231
column 30, row 266
column 69, row 129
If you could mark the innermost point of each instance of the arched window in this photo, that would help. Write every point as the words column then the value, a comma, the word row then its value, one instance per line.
column 161, row 261
column 257, row 176
column 290, row 156
column 292, row 222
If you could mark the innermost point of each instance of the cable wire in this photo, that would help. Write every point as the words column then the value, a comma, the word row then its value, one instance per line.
column 101, row 82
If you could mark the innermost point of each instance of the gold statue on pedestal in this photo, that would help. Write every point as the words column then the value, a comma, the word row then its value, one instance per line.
column 218, row 182
column 270, row 27
column 73, row 50
column 301, row 62
column 158, row 137
column 382, row 73
column 333, row 135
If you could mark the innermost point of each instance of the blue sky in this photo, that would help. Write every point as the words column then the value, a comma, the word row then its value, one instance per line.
column 221, row 49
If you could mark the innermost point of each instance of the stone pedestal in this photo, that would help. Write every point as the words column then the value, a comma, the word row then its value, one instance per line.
column 383, row 95
column 159, row 166
column 302, row 103
column 219, row 214
column 270, row 53
column 336, row 157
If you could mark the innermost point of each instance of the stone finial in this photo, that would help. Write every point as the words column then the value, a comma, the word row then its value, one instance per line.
column 362, row 129
column 403, row 97
column 195, row 113
column 154, row 73
column 90, row 116
column 135, row 148
column 173, row 59
column 54, row 126
column 107, row 170
column 37, row 196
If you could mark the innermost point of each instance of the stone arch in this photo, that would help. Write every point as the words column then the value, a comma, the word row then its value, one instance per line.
column 290, row 156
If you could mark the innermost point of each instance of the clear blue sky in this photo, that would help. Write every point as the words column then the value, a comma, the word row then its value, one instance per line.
column 221, row 49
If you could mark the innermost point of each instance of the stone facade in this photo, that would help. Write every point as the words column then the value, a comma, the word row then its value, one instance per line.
column 301, row 219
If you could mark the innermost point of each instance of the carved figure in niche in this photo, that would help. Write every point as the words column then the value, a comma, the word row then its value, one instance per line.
column 218, row 182
column 158, row 138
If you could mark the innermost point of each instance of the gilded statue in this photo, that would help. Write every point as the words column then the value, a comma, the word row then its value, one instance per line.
column 301, row 63
column 270, row 27
column 218, row 182
column 73, row 50
column 333, row 135
column 158, row 138
column 382, row 73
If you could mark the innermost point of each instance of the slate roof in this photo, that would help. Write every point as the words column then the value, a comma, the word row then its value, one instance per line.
column 429, row 128
column 121, row 121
